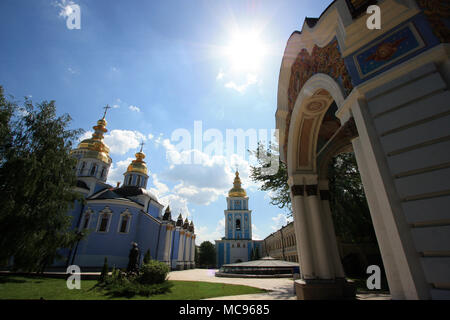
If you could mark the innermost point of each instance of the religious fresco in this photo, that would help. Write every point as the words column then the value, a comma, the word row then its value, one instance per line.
column 327, row 60
column 330, row 124
column 388, row 50
column 438, row 15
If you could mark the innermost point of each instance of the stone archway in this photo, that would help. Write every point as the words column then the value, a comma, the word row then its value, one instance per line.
column 390, row 91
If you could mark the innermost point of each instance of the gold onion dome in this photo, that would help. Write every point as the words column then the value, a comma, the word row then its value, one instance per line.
column 237, row 190
column 138, row 165
column 95, row 147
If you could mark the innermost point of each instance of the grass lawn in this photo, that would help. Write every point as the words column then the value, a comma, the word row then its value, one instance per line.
column 20, row 287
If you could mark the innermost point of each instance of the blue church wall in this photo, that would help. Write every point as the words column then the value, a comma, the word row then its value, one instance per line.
column 176, row 244
column 148, row 231
column 160, row 243
column 113, row 244
column 153, row 210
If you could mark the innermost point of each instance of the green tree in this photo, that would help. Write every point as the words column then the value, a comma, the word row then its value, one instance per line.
column 207, row 254
column 36, row 183
column 276, row 184
column 350, row 211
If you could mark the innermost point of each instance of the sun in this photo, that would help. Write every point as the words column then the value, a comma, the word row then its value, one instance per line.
column 246, row 51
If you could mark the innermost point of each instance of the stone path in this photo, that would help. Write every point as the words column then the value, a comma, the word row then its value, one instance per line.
column 280, row 288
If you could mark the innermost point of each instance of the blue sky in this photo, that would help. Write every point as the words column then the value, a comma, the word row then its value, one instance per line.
column 162, row 65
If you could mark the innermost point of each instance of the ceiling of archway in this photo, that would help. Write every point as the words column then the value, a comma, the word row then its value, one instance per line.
column 327, row 60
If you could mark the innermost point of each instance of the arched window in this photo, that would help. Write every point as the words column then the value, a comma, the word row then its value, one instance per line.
column 93, row 168
column 124, row 224
column 138, row 181
column 238, row 224
column 238, row 245
column 130, row 177
column 103, row 172
column 104, row 220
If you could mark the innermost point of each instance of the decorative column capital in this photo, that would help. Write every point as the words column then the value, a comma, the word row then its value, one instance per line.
column 298, row 190
column 311, row 189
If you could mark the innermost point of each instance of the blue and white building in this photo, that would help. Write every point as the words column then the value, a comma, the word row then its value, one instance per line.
column 115, row 217
column 237, row 245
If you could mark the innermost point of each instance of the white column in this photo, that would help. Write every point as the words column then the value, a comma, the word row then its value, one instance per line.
column 302, row 232
column 193, row 251
column 321, row 253
column 329, row 227
column 181, row 250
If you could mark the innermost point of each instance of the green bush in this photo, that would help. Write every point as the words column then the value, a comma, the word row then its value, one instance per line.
column 153, row 272
column 151, row 280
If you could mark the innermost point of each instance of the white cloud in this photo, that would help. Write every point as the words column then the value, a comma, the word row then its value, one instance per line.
column 120, row 141
column 280, row 220
column 251, row 79
column 134, row 108
column 115, row 106
column 204, row 234
column 208, row 179
column 220, row 75
column 117, row 170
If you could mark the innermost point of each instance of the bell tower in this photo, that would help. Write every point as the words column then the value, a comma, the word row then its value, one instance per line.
column 238, row 220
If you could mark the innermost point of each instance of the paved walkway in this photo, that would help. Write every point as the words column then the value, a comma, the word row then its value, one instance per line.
column 280, row 288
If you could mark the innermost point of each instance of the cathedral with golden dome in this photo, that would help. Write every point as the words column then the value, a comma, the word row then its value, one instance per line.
column 237, row 245
column 116, row 217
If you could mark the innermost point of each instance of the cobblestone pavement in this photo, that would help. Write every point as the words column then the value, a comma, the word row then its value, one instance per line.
column 279, row 288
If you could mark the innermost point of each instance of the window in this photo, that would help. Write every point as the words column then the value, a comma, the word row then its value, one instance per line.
column 238, row 245
column 103, row 172
column 124, row 224
column 104, row 220
column 238, row 225
column 138, row 181
column 94, row 167
column 237, row 204
column 129, row 179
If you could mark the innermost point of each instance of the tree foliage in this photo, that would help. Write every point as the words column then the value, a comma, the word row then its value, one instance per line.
column 351, row 215
column 36, row 183
column 275, row 184
column 207, row 254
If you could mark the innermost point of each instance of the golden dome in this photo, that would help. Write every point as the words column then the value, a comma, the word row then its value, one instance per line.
column 237, row 190
column 139, row 164
column 95, row 147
